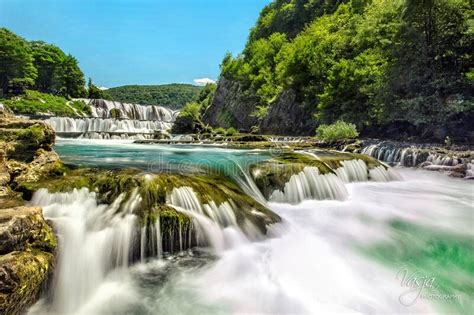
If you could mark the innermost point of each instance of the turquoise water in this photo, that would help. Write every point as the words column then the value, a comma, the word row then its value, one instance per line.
column 361, row 255
column 155, row 157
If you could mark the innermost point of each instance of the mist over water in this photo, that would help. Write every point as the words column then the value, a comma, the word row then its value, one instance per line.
column 326, row 257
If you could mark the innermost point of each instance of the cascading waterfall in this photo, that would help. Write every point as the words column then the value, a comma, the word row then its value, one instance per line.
column 93, row 240
column 408, row 156
column 310, row 184
column 103, row 109
column 216, row 225
column 115, row 120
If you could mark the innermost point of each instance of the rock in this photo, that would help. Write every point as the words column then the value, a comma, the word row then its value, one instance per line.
column 24, row 137
column 22, row 275
column 45, row 163
column 24, row 225
column 425, row 164
column 27, row 244
column 231, row 107
column 161, row 135
column 287, row 116
column 234, row 107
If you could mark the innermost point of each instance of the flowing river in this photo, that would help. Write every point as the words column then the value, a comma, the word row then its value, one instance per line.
column 403, row 246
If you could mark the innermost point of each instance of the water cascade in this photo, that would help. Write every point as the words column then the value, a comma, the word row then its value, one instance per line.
column 408, row 155
column 216, row 225
column 115, row 120
column 103, row 238
column 311, row 184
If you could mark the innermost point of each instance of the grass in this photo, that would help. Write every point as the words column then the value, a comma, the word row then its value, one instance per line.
column 37, row 103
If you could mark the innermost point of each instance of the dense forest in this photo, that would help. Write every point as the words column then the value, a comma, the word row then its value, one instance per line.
column 37, row 65
column 37, row 77
column 174, row 96
column 392, row 68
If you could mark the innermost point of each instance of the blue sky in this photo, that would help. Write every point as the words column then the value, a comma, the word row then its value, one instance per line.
column 120, row 42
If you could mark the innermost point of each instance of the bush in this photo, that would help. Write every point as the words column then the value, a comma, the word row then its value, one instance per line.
column 231, row 131
column 339, row 130
column 220, row 131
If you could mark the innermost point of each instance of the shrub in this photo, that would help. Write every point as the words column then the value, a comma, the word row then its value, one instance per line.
column 115, row 113
column 340, row 130
column 231, row 131
column 220, row 131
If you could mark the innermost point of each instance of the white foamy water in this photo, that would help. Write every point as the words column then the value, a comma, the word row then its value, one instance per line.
column 116, row 120
column 310, row 265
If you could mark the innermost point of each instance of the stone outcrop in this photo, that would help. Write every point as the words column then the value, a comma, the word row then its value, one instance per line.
column 231, row 107
column 27, row 241
column 234, row 106
column 27, row 245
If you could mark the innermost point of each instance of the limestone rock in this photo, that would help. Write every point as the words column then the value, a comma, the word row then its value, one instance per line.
column 27, row 244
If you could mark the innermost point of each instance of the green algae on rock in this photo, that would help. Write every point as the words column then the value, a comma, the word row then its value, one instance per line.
column 26, row 257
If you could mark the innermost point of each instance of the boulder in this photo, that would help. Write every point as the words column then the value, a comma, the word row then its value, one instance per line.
column 27, row 245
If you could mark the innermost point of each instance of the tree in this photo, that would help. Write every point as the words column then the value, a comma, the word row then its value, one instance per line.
column 72, row 78
column 48, row 60
column 94, row 92
column 16, row 63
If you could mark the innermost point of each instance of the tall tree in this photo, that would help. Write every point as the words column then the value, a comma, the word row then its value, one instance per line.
column 48, row 60
column 72, row 78
column 16, row 63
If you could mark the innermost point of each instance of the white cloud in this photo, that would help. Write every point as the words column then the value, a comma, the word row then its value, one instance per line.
column 103, row 88
column 203, row 81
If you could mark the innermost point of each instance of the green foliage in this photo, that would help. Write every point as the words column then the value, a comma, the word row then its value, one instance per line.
column 339, row 130
column 38, row 65
column 34, row 102
column 16, row 62
column 189, row 119
column 373, row 63
column 115, row 113
column 95, row 93
column 219, row 131
column 58, row 73
column 174, row 96
column 231, row 131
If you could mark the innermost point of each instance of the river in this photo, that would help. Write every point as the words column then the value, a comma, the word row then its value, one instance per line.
column 404, row 246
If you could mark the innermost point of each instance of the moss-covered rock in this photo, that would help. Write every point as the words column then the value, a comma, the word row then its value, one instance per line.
column 24, row 137
column 154, row 189
column 273, row 174
column 27, row 244
column 22, row 275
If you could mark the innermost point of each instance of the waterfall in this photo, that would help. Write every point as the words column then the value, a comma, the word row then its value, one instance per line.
column 115, row 120
column 216, row 225
column 310, row 184
column 103, row 109
column 409, row 155
column 93, row 240
column 352, row 171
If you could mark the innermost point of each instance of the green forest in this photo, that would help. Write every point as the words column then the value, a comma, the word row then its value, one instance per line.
column 404, row 67
column 38, row 65
column 174, row 96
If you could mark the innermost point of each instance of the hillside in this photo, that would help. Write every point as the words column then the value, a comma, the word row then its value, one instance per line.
column 173, row 96
column 397, row 69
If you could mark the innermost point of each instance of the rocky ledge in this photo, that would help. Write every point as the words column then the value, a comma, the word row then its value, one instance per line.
column 27, row 241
